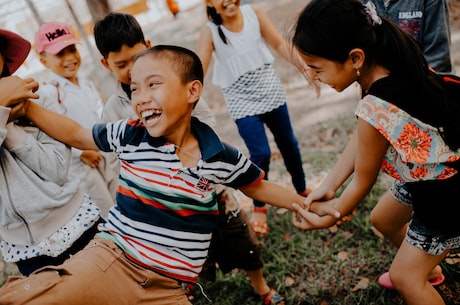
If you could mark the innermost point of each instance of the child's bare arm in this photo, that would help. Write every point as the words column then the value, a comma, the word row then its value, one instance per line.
column 205, row 47
column 276, row 195
column 60, row 127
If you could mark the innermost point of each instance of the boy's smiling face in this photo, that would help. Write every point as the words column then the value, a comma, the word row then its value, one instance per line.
column 159, row 98
column 65, row 63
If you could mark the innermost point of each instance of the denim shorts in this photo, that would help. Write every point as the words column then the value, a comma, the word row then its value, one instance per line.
column 401, row 193
column 430, row 241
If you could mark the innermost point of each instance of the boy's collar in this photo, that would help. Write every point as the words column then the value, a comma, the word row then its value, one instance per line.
column 60, row 79
column 209, row 142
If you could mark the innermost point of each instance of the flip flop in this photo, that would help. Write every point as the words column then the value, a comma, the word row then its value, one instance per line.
column 384, row 281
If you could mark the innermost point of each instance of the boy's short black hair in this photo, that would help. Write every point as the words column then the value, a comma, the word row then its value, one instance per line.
column 183, row 61
column 115, row 30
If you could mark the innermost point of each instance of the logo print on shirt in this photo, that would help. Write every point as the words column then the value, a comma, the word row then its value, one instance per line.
column 203, row 184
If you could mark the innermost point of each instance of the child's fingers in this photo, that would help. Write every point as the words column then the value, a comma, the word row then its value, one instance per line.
column 18, row 110
column 306, row 220
column 330, row 210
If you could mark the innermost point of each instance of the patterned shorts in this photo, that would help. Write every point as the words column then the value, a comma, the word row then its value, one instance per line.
column 401, row 193
column 431, row 242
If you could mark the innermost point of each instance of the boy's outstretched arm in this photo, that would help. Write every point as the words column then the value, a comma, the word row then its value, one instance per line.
column 60, row 127
column 276, row 195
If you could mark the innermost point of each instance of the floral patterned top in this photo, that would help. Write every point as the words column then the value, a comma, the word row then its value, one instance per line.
column 417, row 151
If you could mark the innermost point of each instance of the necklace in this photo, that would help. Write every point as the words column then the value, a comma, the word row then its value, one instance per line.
column 194, row 156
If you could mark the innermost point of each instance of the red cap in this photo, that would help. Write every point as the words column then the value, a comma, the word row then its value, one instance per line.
column 16, row 51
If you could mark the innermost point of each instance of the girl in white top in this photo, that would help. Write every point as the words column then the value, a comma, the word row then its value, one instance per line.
column 236, row 38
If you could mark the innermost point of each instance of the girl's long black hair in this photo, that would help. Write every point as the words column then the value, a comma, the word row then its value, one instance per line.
column 217, row 20
column 332, row 28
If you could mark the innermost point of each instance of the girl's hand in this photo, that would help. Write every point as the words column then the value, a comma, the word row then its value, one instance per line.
column 91, row 158
column 306, row 220
column 323, row 208
column 322, row 193
column 14, row 90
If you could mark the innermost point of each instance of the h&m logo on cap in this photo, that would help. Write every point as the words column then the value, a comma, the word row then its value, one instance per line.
column 56, row 34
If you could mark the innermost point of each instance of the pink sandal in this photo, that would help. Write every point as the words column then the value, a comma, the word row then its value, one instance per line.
column 384, row 281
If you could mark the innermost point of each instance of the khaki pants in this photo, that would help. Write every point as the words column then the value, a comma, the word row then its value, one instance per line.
column 99, row 274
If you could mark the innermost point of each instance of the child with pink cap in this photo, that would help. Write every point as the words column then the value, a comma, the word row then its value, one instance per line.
column 57, row 47
column 44, row 217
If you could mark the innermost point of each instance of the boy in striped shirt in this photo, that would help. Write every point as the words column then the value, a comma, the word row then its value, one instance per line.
column 158, row 233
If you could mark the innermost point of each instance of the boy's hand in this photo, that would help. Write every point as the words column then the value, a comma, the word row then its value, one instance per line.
column 18, row 110
column 91, row 158
column 14, row 90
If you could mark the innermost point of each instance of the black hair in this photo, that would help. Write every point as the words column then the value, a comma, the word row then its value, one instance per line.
column 183, row 61
column 217, row 20
column 332, row 28
column 115, row 30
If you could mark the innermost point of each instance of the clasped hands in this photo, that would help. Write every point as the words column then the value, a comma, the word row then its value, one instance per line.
column 318, row 211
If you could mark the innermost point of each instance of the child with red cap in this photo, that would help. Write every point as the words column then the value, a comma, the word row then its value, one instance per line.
column 44, row 216
column 57, row 47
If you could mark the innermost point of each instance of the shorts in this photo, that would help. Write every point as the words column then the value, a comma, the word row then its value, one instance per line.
column 430, row 241
column 97, row 275
column 234, row 244
column 401, row 193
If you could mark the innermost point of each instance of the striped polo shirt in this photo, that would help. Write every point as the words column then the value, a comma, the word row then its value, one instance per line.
column 165, row 212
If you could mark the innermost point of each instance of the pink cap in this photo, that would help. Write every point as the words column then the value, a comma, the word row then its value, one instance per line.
column 52, row 37
column 17, row 49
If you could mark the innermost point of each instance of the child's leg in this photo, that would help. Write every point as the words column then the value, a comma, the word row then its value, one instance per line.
column 409, row 274
column 258, row 282
column 252, row 130
column 390, row 217
column 279, row 123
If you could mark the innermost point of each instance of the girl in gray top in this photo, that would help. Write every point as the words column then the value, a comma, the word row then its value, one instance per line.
column 44, row 217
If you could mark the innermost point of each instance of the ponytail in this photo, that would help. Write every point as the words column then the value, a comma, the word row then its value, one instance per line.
column 399, row 52
column 217, row 20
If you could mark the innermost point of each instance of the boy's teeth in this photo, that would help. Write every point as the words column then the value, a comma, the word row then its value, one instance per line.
column 147, row 113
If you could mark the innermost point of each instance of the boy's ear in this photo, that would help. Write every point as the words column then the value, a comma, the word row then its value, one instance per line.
column 148, row 44
column 194, row 91
column 42, row 59
column 105, row 63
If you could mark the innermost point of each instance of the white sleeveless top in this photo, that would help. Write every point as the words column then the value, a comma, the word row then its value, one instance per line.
column 245, row 51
